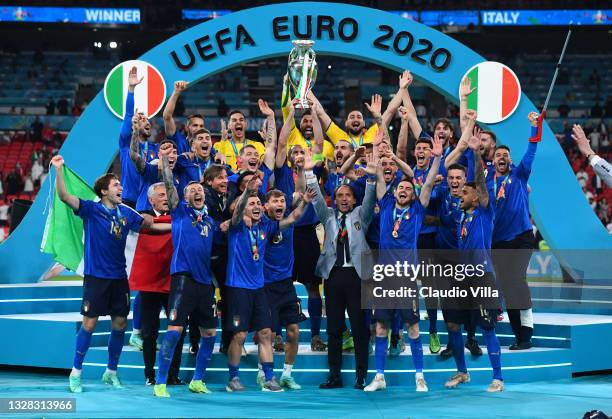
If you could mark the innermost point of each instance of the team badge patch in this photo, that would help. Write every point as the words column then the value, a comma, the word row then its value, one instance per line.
column 277, row 238
column 357, row 226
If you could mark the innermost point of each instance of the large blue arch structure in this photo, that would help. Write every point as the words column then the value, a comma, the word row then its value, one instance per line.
column 557, row 202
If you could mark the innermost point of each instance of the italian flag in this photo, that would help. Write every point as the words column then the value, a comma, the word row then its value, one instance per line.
column 497, row 94
column 64, row 236
column 149, row 95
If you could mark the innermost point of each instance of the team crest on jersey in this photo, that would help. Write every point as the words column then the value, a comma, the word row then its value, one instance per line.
column 173, row 314
column 277, row 238
column 85, row 306
column 357, row 226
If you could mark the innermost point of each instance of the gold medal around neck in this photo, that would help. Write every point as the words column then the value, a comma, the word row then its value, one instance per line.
column 394, row 234
column 376, row 209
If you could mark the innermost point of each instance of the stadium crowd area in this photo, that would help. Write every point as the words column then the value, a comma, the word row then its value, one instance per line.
column 42, row 95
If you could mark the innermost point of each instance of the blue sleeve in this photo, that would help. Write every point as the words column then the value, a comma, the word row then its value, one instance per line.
column 524, row 169
column 125, row 135
column 151, row 173
column 386, row 200
column 266, row 177
column 469, row 157
column 282, row 175
column 134, row 220
column 179, row 211
column 85, row 208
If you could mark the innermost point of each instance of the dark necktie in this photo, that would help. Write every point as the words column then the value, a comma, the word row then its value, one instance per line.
column 342, row 244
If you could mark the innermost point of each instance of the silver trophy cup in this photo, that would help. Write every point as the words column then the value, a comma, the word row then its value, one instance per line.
column 302, row 70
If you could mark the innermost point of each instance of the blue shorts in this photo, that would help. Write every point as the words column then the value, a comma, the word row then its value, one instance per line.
column 386, row 315
column 246, row 310
column 103, row 297
column 189, row 298
column 285, row 306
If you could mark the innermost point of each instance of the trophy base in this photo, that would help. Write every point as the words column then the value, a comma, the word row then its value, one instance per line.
column 302, row 104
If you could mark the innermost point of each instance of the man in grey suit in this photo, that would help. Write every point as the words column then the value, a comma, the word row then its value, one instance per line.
column 344, row 261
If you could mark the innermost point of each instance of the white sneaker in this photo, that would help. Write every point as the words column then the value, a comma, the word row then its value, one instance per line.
column 421, row 384
column 378, row 383
column 496, row 386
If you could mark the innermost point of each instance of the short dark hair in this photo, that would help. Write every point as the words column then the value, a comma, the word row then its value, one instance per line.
column 234, row 111
column 194, row 115
column 307, row 112
column 274, row 193
column 471, row 185
column 213, row 171
column 345, row 185
column 201, row 131
column 192, row 182
column 103, row 182
column 242, row 150
column 491, row 133
column 244, row 174
column 446, row 122
column 457, row 166
column 502, row 147
column 424, row 140
column 168, row 141
column 405, row 178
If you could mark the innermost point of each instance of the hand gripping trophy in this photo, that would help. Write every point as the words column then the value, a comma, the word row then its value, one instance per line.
column 302, row 70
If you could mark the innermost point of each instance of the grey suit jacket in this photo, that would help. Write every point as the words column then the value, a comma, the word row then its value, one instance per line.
column 357, row 223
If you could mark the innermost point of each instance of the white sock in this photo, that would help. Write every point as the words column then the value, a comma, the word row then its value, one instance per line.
column 136, row 331
column 379, row 376
column 111, row 371
column 419, row 375
column 287, row 370
column 75, row 372
column 527, row 318
column 260, row 372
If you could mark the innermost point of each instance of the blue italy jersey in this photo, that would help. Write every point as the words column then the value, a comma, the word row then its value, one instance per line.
column 246, row 250
column 511, row 199
column 189, row 169
column 285, row 182
column 130, row 179
column 420, row 176
column 278, row 261
column 373, row 233
column 106, row 232
column 181, row 142
column 406, row 223
column 450, row 213
column 193, row 234
column 474, row 236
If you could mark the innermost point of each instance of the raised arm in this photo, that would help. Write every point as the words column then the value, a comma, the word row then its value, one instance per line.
column 464, row 91
column 602, row 168
column 135, row 156
column 168, row 178
column 402, row 165
column 304, row 199
column 413, row 120
column 169, row 125
column 70, row 200
column 524, row 168
column 126, row 126
column 405, row 80
column 317, row 129
column 250, row 190
column 281, row 148
column 479, row 176
column 318, row 202
column 348, row 165
column 268, row 133
column 323, row 116
column 369, row 199
column 402, row 137
column 425, row 194
column 462, row 144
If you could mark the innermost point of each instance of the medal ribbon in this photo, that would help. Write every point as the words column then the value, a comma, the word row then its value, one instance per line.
column 254, row 236
column 397, row 220
column 502, row 188
column 465, row 221
column 116, row 221
column 145, row 150
column 236, row 152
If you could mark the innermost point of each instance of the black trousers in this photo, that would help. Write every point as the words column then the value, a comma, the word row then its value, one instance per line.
column 150, row 305
column 511, row 272
column 343, row 292
column 219, row 268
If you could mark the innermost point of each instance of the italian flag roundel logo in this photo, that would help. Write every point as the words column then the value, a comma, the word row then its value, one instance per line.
column 149, row 95
column 497, row 93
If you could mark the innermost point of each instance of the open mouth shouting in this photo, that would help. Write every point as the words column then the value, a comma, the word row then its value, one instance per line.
column 388, row 175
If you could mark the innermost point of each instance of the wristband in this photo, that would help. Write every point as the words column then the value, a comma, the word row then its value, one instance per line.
column 317, row 157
